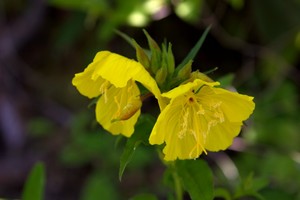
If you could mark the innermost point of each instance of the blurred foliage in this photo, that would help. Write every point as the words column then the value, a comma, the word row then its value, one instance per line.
column 256, row 46
column 35, row 184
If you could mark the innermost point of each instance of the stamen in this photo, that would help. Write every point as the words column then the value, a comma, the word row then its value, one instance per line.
column 184, row 124
column 197, row 145
column 119, row 106
column 103, row 89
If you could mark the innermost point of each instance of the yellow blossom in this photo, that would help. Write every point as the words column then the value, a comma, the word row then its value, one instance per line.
column 200, row 118
column 112, row 77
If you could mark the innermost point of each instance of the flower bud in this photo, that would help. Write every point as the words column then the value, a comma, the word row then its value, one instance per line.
column 161, row 75
column 129, row 110
column 186, row 71
column 170, row 60
column 202, row 76
column 155, row 60
column 141, row 56
column 151, row 42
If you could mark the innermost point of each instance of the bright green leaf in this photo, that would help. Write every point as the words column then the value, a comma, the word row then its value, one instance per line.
column 34, row 186
column 197, row 178
column 142, row 131
column 223, row 193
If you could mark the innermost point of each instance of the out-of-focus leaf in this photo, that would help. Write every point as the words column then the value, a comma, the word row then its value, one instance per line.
column 250, row 186
column 68, row 33
column 223, row 193
column 226, row 80
column 144, row 197
column 189, row 10
column 141, row 134
column 277, row 194
column 269, row 13
column 237, row 4
column 197, row 178
column 99, row 186
column 35, row 183
column 40, row 127
column 86, row 5
column 117, row 17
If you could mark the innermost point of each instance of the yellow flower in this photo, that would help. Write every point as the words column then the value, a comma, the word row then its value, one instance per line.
column 198, row 118
column 112, row 77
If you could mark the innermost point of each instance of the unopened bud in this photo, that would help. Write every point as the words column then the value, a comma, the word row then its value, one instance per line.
column 161, row 75
column 155, row 60
column 129, row 110
column 170, row 60
column 151, row 42
column 141, row 55
column 202, row 76
column 186, row 71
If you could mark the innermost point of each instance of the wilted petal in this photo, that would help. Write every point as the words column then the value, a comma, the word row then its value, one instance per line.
column 110, row 106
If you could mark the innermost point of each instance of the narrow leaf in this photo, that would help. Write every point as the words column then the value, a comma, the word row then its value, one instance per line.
column 126, row 38
column 130, row 147
column 197, row 178
column 34, row 186
column 194, row 50
column 141, row 134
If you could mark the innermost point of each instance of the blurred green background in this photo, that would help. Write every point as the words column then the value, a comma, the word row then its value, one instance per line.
column 255, row 45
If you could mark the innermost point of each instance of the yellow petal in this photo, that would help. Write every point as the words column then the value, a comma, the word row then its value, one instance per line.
column 221, row 136
column 111, row 104
column 199, row 117
column 179, row 127
column 148, row 82
column 181, row 89
column 117, row 69
column 236, row 107
column 86, row 85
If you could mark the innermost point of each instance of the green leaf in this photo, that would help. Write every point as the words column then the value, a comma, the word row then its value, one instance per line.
column 223, row 193
column 144, row 197
column 197, row 178
column 250, row 187
column 39, row 127
column 99, row 186
column 34, row 186
column 194, row 50
column 141, row 134
column 127, row 38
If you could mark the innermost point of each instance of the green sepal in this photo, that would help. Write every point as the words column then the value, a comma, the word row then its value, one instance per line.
column 170, row 60
column 185, row 72
column 155, row 60
column 141, row 55
column 161, row 75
